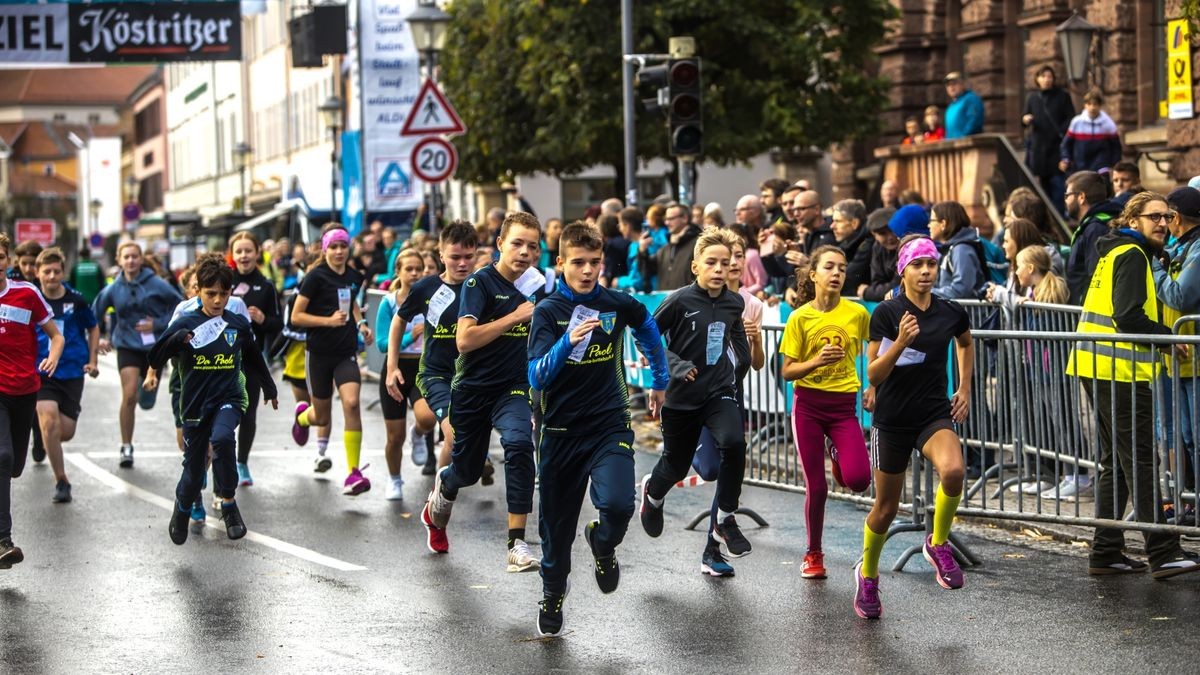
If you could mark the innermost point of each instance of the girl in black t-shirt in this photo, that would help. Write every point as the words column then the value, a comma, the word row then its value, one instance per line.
column 909, row 345
column 262, row 303
column 326, row 307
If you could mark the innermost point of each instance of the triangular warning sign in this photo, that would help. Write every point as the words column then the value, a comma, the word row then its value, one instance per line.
column 432, row 114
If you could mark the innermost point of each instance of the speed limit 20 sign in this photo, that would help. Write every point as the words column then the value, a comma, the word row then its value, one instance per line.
column 434, row 159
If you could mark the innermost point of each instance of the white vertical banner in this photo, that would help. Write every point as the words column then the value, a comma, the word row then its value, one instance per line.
column 104, row 182
column 391, row 78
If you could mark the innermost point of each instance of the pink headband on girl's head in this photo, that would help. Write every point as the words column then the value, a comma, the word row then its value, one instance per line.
column 917, row 248
column 332, row 236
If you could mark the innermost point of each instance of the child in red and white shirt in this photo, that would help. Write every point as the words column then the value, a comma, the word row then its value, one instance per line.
column 22, row 311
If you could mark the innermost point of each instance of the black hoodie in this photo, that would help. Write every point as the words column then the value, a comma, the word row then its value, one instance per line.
column 1082, row 260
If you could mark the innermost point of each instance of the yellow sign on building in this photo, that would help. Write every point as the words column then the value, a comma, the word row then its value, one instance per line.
column 1179, row 71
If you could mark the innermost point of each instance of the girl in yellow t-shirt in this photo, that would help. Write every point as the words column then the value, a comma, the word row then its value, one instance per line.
column 820, row 346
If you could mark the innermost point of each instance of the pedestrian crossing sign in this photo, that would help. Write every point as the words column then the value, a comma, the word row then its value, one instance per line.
column 432, row 114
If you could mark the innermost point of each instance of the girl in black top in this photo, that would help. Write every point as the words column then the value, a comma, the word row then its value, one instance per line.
column 910, row 337
column 325, row 306
column 262, row 303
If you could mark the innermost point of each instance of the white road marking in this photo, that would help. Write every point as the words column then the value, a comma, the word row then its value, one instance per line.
column 121, row 485
column 174, row 453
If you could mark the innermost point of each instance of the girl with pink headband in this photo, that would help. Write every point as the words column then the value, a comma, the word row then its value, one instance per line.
column 326, row 306
column 910, row 338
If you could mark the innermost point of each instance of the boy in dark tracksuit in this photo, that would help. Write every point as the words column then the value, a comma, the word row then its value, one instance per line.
column 213, row 347
column 576, row 360
column 490, row 389
column 701, row 323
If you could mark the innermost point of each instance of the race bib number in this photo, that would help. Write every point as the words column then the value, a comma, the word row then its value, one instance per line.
column 15, row 314
column 578, row 316
column 438, row 304
column 713, row 347
column 207, row 332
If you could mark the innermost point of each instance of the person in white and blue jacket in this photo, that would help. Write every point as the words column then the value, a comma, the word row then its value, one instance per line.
column 141, row 302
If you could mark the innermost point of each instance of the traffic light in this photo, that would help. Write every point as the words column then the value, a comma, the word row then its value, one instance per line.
column 684, row 107
column 656, row 77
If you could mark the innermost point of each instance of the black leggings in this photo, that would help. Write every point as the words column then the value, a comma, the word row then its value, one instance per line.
column 249, row 425
column 16, row 421
column 681, row 434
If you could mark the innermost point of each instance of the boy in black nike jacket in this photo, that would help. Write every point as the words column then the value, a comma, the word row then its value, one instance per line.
column 701, row 323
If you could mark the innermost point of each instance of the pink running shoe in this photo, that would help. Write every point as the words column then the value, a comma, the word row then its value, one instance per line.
column 299, row 433
column 436, row 537
column 949, row 574
column 866, row 595
column 356, row 483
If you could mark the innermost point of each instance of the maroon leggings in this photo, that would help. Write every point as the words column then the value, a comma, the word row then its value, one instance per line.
column 818, row 414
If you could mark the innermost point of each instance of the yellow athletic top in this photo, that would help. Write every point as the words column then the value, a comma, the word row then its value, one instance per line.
column 809, row 329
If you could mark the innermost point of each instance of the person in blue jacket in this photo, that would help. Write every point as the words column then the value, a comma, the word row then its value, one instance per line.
column 964, row 114
column 142, row 304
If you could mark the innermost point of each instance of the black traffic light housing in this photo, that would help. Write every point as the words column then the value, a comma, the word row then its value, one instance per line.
column 684, row 107
column 656, row 77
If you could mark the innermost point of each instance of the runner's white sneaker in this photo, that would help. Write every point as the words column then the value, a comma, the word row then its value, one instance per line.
column 420, row 449
column 521, row 558
column 322, row 464
column 395, row 491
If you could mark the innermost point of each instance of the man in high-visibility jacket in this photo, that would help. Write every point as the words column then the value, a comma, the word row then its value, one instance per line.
column 1178, row 287
column 1116, row 377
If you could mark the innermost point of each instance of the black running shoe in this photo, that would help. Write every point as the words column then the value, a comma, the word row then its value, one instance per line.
column 126, row 456
column 9, row 555
column 178, row 528
column 652, row 516
column 38, row 452
column 489, row 472
column 1181, row 563
column 62, row 492
column 234, row 526
column 608, row 570
column 727, row 532
column 1122, row 565
column 550, row 614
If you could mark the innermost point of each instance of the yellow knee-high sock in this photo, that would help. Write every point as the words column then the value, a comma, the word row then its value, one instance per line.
column 302, row 418
column 872, row 548
column 944, row 508
column 353, row 441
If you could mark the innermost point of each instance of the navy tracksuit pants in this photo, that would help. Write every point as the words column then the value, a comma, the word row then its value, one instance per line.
column 219, row 429
column 473, row 415
column 567, row 464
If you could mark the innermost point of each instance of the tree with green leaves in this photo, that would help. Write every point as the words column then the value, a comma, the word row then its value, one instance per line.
column 538, row 82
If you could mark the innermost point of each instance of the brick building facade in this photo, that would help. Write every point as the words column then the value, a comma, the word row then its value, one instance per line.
column 1000, row 44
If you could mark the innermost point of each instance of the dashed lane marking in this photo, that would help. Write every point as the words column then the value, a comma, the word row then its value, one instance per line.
column 121, row 485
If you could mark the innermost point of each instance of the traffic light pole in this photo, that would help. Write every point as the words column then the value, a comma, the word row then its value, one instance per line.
column 687, row 180
column 631, row 195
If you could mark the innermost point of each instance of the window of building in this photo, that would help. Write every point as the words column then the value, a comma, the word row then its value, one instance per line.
column 148, row 122
column 580, row 193
column 150, row 193
column 148, row 159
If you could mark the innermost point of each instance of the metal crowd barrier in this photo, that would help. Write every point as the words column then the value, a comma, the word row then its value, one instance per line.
column 1029, row 422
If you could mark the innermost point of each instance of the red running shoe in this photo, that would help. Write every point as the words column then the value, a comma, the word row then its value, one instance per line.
column 436, row 537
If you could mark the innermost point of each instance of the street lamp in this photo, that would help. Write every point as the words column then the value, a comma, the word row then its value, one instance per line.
column 131, row 189
column 94, row 208
column 331, row 113
column 241, row 159
column 428, row 24
column 1075, row 36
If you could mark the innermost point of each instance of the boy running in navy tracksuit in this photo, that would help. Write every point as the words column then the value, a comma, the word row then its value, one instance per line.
column 576, row 357
column 214, row 346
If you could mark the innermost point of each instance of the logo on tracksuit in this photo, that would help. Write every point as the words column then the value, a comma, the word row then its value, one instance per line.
column 608, row 320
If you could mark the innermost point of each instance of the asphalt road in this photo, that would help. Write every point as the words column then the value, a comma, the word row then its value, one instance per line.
column 331, row 583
